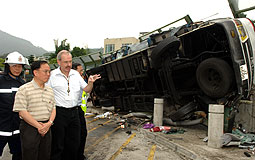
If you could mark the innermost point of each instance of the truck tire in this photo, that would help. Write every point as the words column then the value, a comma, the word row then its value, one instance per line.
column 167, row 46
column 214, row 77
column 183, row 111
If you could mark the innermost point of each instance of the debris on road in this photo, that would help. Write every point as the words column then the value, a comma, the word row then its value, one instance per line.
column 174, row 131
column 138, row 114
column 247, row 154
column 148, row 126
column 105, row 115
column 160, row 129
column 129, row 132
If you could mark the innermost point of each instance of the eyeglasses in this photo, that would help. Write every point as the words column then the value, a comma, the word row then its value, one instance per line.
column 45, row 71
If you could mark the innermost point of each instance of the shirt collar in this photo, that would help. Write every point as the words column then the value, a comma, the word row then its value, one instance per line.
column 58, row 71
column 35, row 84
column 8, row 77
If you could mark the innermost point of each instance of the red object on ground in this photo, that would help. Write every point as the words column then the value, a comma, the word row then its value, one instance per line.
column 160, row 128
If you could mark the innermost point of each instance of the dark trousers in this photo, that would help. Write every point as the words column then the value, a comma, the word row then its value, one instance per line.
column 65, row 134
column 84, row 133
column 34, row 146
column 14, row 145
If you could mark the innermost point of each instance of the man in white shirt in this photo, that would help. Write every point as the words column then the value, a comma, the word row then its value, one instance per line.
column 67, row 85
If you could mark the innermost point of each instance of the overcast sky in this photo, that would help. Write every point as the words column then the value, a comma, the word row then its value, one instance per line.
column 89, row 22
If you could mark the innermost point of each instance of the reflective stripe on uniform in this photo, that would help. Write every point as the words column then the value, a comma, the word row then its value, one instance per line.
column 2, row 133
column 15, row 89
column 9, row 90
column 84, row 98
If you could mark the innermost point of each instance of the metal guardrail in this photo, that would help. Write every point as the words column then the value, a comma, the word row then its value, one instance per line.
column 186, row 18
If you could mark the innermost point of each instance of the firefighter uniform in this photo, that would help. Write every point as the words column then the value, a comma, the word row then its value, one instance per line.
column 84, row 132
column 84, row 98
column 9, row 121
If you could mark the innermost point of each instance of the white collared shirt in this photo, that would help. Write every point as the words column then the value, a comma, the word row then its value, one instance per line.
column 59, row 83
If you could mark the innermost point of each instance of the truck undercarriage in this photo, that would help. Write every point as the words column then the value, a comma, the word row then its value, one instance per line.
column 190, row 67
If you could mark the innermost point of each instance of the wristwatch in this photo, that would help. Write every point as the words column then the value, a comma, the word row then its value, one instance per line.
column 51, row 122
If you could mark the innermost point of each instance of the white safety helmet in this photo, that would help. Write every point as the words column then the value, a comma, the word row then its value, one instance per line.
column 16, row 58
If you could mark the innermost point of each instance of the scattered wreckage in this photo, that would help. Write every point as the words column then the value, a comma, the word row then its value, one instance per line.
column 189, row 66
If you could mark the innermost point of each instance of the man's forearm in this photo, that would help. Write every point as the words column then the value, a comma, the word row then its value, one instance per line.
column 89, row 87
column 53, row 115
column 29, row 119
column 46, row 126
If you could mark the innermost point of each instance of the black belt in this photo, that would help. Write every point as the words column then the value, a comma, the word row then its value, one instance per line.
column 38, row 121
column 72, row 108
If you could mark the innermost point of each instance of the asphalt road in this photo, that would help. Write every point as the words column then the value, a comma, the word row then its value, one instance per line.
column 108, row 140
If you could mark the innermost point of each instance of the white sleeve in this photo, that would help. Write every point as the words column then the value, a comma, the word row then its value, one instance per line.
column 82, row 83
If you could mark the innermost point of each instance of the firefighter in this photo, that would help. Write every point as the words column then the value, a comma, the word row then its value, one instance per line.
column 10, row 81
column 82, row 110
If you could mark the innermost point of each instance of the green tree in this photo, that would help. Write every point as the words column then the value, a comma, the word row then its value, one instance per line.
column 53, row 61
column 62, row 46
column 52, row 56
column 88, row 51
column 2, row 63
column 31, row 59
column 76, row 52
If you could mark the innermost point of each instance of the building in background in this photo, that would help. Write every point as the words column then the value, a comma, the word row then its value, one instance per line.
column 113, row 44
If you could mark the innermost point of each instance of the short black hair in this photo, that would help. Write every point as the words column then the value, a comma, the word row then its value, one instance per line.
column 7, row 70
column 37, row 65
column 75, row 65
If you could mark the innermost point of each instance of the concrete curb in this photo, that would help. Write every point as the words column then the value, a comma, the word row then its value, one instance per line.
column 165, row 142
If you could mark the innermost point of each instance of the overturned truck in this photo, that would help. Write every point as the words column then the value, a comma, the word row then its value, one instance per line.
column 189, row 66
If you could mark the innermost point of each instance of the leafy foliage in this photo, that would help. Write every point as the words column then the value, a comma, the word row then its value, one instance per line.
column 76, row 52
column 62, row 46
column 31, row 59
column 1, row 62
column 53, row 61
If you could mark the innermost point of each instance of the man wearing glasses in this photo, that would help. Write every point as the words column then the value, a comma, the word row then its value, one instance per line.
column 67, row 85
column 36, row 106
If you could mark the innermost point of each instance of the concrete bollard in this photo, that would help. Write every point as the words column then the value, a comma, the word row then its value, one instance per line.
column 215, row 125
column 158, row 111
